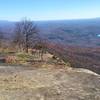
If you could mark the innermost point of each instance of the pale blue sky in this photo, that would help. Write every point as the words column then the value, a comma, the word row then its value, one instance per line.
column 49, row 9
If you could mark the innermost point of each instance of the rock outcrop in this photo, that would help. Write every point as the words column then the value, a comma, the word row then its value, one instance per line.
column 21, row 83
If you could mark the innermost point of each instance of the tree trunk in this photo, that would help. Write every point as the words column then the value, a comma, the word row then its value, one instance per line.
column 26, row 49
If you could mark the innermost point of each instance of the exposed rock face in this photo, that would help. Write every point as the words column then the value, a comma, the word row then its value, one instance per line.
column 18, row 83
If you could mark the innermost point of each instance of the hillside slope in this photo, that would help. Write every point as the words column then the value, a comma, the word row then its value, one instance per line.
column 78, row 57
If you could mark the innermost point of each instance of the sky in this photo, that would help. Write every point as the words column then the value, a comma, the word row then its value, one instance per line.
column 15, row 10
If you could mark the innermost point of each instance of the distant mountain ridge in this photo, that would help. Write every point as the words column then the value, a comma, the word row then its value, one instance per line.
column 82, row 32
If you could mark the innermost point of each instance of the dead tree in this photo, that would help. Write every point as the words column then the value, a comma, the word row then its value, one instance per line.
column 24, row 34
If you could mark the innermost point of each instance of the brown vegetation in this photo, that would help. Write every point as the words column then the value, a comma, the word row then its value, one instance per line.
column 80, row 57
column 10, row 59
column 26, row 40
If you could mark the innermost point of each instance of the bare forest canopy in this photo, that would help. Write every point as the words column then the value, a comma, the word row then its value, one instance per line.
column 73, row 32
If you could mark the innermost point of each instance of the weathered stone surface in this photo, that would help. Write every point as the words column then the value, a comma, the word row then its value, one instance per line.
column 20, row 83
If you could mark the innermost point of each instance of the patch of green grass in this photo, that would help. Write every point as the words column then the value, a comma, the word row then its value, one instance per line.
column 24, row 56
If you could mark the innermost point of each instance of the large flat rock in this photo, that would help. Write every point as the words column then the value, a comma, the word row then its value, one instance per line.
column 19, row 83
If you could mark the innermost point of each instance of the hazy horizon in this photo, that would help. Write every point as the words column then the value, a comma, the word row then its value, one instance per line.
column 52, row 19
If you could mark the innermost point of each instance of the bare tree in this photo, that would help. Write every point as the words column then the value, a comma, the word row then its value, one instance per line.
column 41, row 46
column 18, row 37
column 25, row 31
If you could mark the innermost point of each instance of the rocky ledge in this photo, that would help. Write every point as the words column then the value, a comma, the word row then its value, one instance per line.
column 18, row 83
